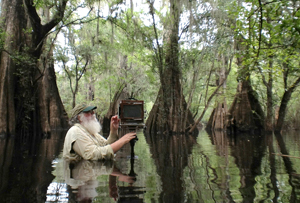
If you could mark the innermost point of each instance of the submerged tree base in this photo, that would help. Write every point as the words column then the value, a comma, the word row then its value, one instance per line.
column 173, row 118
column 245, row 113
column 218, row 117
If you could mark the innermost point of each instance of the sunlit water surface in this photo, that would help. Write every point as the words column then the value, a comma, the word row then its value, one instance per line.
column 203, row 168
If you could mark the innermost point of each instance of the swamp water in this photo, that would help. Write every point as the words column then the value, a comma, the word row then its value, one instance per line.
column 205, row 168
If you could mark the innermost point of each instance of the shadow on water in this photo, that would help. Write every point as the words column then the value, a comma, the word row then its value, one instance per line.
column 170, row 154
column 26, row 167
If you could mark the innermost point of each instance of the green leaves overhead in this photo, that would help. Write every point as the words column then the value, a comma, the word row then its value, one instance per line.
column 120, row 42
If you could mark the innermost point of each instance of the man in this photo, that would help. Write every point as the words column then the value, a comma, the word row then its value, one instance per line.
column 84, row 141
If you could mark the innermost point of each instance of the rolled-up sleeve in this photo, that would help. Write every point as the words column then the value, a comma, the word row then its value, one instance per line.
column 113, row 136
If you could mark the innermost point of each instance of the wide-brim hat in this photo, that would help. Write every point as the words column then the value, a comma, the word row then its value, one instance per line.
column 81, row 108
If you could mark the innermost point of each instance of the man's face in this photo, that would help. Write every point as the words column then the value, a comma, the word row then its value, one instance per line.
column 90, row 122
column 89, row 114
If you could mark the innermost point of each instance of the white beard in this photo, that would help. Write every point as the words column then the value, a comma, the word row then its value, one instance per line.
column 90, row 123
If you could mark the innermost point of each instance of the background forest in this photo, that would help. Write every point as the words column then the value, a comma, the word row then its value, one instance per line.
column 229, row 60
column 118, row 50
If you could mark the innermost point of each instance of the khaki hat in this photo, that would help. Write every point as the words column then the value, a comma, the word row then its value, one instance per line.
column 81, row 108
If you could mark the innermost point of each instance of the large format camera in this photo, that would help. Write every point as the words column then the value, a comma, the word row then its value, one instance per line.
column 131, row 114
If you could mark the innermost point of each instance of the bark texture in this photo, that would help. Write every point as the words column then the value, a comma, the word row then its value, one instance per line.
column 52, row 115
column 245, row 113
column 217, row 120
column 29, row 99
column 13, row 24
column 169, row 111
column 170, row 118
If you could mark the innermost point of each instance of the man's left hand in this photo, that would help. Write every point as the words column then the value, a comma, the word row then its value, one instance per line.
column 114, row 123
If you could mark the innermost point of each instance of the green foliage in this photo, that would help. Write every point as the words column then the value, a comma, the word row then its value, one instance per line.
column 122, row 49
column 269, row 34
column 118, row 56
column 25, row 71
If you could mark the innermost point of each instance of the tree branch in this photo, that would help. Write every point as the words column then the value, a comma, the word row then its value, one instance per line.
column 210, row 98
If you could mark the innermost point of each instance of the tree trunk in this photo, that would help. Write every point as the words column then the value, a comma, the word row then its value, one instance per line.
column 73, row 99
column 29, row 99
column 270, row 115
column 52, row 114
column 13, row 26
column 217, row 118
column 157, row 122
column 283, row 105
column 245, row 113
column 168, row 113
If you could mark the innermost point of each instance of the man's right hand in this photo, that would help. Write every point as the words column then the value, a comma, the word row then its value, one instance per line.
column 129, row 136
column 117, row 145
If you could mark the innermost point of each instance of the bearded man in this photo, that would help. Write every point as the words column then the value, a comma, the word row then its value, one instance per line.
column 84, row 141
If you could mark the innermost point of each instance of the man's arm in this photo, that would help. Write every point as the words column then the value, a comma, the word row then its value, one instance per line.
column 117, row 145
column 114, row 125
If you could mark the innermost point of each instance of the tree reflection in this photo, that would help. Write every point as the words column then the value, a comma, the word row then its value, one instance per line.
column 294, row 180
column 26, row 168
column 215, row 168
column 272, row 159
column 6, row 147
column 170, row 154
column 248, row 152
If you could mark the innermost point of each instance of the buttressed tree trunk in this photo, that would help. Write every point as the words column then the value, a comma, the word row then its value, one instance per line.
column 29, row 99
column 168, row 112
column 52, row 114
column 218, row 117
column 245, row 113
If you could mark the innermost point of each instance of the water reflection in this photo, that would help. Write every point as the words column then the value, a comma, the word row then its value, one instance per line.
column 247, row 151
column 82, row 182
column 82, row 177
column 170, row 154
column 26, row 168
column 208, row 168
column 294, row 178
column 256, row 158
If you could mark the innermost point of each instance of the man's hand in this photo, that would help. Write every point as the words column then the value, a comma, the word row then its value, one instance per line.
column 117, row 145
column 114, row 123
column 129, row 136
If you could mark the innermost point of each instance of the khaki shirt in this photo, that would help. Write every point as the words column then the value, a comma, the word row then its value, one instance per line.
column 79, row 143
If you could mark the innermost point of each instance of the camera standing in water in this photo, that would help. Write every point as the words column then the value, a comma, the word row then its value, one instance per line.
column 131, row 115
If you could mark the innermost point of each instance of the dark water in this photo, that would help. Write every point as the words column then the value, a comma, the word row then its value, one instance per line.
column 206, row 168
